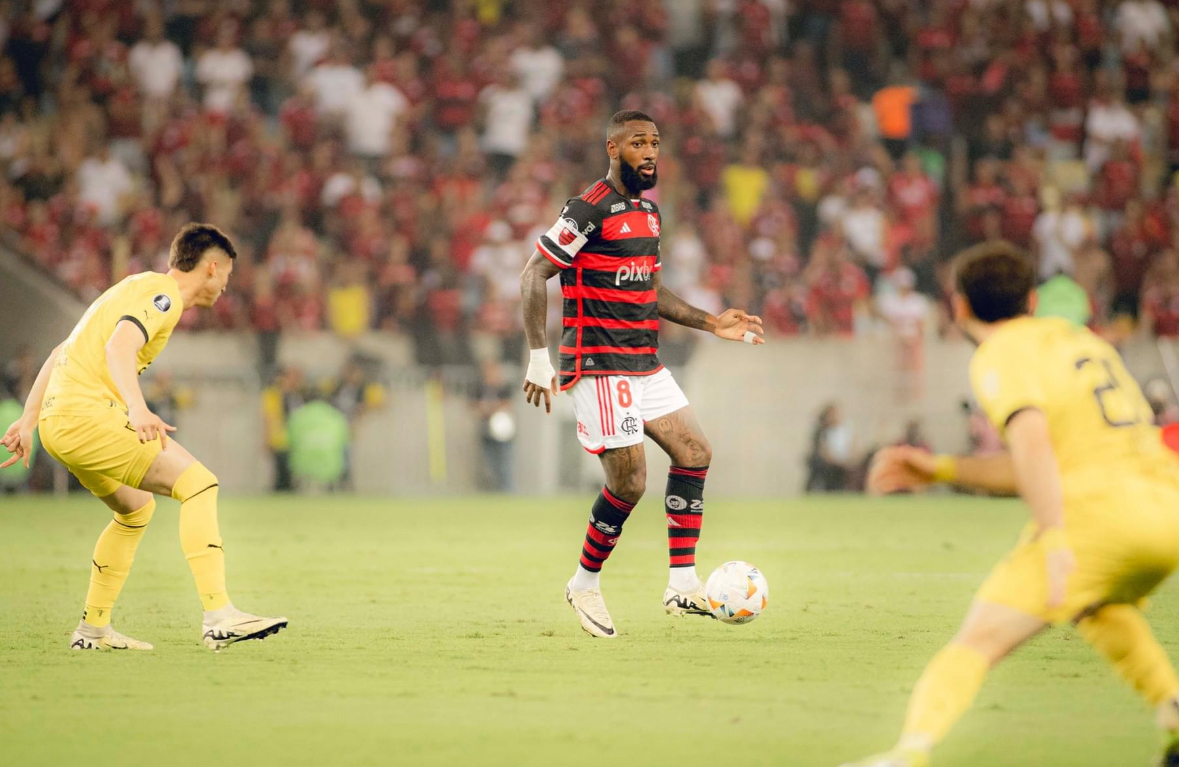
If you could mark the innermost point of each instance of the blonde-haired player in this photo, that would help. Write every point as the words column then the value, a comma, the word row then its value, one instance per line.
column 1102, row 490
column 92, row 417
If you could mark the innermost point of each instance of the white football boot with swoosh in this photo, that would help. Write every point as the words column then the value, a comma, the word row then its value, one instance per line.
column 591, row 611
column 238, row 626
column 87, row 637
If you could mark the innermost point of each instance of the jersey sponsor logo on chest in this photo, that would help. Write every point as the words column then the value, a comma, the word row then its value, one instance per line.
column 632, row 272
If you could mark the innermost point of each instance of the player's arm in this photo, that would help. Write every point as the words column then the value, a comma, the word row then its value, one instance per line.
column 18, row 440
column 895, row 469
column 732, row 324
column 541, row 379
column 122, row 352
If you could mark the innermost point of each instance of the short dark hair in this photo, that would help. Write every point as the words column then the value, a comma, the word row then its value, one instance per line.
column 996, row 278
column 620, row 119
column 193, row 241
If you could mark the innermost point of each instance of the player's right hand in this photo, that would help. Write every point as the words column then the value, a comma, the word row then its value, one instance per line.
column 540, row 380
column 895, row 469
column 149, row 426
column 18, row 440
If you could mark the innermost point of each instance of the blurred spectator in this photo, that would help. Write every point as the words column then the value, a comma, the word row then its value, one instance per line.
column 506, row 116
column 285, row 395
column 1058, row 234
column 165, row 398
column 830, row 458
column 493, row 403
column 1061, row 296
column 335, row 82
column 893, row 106
column 224, row 71
column 915, row 436
column 156, row 62
column 1162, row 401
column 907, row 313
column 19, row 374
column 720, row 97
column 319, row 439
column 104, row 184
column 370, row 117
column 355, row 396
column 537, row 63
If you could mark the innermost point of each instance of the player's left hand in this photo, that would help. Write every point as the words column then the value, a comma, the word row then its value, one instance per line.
column 736, row 325
column 18, row 440
column 1061, row 564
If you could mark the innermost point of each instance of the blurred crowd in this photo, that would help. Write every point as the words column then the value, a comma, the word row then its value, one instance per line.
column 388, row 164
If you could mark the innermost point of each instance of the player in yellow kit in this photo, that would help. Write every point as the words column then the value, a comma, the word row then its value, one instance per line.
column 1102, row 489
column 92, row 417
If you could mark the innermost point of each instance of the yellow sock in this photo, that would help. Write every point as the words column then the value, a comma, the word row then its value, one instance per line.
column 113, row 555
column 942, row 695
column 1122, row 635
column 196, row 489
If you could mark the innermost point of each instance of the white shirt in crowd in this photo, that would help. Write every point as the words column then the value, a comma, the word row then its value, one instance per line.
column 1142, row 21
column 539, row 70
column 307, row 48
column 224, row 74
column 1105, row 124
column 157, row 67
column 509, row 119
column 1059, row 235
column 720, row 99
column 370, row 117
column 335, row 85
column 340, row 185
column 1048, row 13
column 906, row 312
column 685, row 259
column 863, row 227
column 498, row 262
column 102, row 184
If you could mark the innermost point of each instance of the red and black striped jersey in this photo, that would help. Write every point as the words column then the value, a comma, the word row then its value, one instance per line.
column 607, row 247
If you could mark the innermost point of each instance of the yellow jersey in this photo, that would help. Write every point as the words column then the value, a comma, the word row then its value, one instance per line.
column 81, row 379
column 1099, row 422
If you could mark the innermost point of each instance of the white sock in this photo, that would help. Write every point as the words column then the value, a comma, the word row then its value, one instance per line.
column 584, row 579
column 683, row 579
column 216, row 616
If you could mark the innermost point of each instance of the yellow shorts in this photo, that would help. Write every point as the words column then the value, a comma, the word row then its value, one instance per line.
column 1125, row 546
column 99, row 448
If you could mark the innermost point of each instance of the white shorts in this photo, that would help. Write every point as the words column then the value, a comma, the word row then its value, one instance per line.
column 611, row 410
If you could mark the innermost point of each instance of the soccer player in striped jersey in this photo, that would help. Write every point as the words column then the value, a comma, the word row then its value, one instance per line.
column 605, row 247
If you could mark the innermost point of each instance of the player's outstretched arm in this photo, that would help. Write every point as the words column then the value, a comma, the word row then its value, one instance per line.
column 18, row 440
column 895, row 469
column 732, row 324
column 122, row 361
column 541, row 379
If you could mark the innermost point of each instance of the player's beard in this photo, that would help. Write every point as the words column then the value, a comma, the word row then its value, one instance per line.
column 635, row 181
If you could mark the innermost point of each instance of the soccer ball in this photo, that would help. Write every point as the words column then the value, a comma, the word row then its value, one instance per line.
column 737, row 592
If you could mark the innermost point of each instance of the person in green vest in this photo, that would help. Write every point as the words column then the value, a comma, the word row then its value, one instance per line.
column 1061, row 296
column 16, row 476
column 319, row 436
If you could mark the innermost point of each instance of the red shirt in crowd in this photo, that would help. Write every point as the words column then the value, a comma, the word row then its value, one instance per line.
column 833, row 297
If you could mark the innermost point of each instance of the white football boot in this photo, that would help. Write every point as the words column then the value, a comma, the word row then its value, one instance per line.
column 591, row 611
column 87, row 637
column 238, row 626
column 679, row 603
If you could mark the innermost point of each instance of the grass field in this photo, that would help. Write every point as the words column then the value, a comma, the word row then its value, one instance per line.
column 434, row 632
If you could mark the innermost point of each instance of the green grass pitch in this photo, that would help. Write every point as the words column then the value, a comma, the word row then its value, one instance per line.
column 434, row 632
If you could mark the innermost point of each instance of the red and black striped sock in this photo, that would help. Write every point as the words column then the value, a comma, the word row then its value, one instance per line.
column 685, row 513
column 607, row 517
